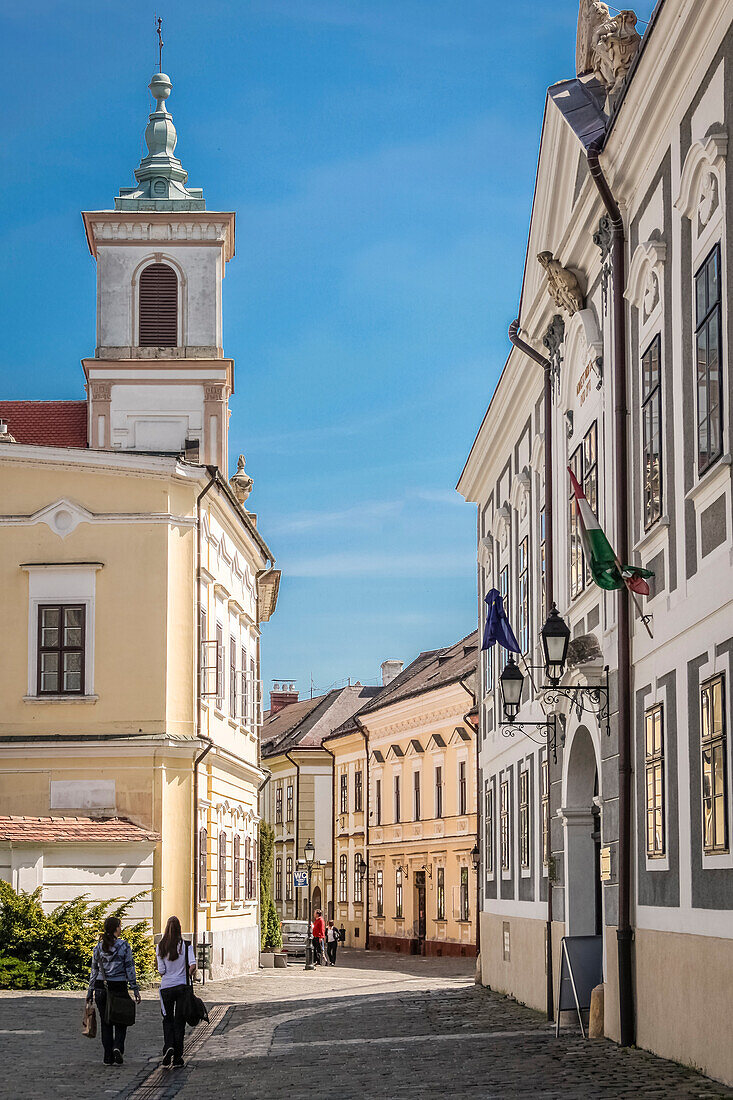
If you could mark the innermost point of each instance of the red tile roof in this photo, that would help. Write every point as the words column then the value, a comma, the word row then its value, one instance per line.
column 46, row 423
column 72, row 830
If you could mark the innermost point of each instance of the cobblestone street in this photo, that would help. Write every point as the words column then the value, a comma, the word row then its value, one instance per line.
column 376, row 1026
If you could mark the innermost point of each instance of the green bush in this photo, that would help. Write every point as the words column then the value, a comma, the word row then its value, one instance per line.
column 54, row 950
column 270, row 931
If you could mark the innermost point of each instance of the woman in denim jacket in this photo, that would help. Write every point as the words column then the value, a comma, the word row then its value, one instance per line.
column 115, row 956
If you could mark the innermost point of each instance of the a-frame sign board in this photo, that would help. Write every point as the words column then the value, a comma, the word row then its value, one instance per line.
column 581, row 969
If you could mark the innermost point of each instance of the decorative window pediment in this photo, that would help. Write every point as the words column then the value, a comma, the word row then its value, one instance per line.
column 486, row 552
column 500, row 523
column 520, row 490
column 583, row 348
column 646, row 273
column 537, row 456
column 701, row 179
column 63, row 516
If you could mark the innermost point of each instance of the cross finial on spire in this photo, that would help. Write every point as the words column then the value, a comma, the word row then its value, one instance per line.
column 159, row 32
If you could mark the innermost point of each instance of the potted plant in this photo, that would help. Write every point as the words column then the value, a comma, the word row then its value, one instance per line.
column 272, row 937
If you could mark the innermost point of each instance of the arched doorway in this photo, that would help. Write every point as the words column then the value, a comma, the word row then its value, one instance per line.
column 581, row 820
column 316, row 898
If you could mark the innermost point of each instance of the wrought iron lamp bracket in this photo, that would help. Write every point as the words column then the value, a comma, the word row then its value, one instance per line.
column 510, row 729
column 589, row 698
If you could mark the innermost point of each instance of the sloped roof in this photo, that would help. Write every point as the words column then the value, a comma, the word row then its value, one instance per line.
column 72, row 830
column 46, row 423
column 432, row 669
column 306, row 724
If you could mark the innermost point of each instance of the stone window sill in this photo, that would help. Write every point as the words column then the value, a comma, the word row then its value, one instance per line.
column 708, row 482
column 653, row 535
column 64, row 699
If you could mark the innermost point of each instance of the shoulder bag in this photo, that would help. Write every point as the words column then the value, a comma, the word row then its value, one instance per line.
column 196, row 1010
column 119, row 1008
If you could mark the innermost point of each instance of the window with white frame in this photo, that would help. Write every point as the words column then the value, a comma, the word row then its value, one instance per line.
column 416, row 795
column 278, row 879
column 584, row 464
column 524, row 818
column 237, row 880
column 708, row 361
column 222, row 865
column 344, row 793
column 219, row 666
column 504, row 826
column 651, row 418
column 464, row 896
column 358, row 881
column 343, row 877
column 523, row 594
column 654, row 776
column 462, row 788
column 398, row 911
column 489, row 827
column 379, row 890
column 61, row 630
column 440, row 894
column 713, row 749
column 289, row 878
column 232, row 677
column 545, row 810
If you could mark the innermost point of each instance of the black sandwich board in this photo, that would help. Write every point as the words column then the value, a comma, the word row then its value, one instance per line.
column 581, row 969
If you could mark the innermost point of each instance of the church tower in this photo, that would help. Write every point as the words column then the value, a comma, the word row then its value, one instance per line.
column 159, row 380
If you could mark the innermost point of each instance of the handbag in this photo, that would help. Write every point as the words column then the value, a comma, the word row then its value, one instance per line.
column 196, row 1010
column 119, row 1008
column 89, row 1020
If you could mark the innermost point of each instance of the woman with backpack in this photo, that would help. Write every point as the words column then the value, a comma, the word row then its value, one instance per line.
column 113, row 967
column 176, row 961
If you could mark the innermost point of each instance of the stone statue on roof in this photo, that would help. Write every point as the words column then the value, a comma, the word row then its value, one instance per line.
column 606, row 45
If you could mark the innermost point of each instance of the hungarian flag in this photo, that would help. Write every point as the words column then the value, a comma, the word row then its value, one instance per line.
column 604, row 565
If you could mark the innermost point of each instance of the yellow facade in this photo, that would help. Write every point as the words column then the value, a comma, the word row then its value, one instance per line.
column 130, row 560
column 350, row 834
column 421, row 879
column 297, row 804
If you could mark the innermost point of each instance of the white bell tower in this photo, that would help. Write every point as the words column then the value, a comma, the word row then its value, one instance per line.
column 159, row 380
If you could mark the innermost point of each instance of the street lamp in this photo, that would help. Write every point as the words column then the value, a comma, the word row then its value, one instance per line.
column 476, row 856
column 362, row 867
column 555, row 640
column 310, row 857
column 511, row 683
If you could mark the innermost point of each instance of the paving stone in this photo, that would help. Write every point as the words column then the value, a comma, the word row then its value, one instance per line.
column 377, row 1026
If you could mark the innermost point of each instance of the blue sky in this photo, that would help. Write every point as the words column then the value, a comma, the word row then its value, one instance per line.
column 380, row 157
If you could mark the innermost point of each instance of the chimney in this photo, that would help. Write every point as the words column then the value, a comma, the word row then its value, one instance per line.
column 282, row 695
column 390, row 669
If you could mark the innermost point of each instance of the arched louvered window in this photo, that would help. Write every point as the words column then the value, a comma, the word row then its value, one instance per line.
column 158, row 307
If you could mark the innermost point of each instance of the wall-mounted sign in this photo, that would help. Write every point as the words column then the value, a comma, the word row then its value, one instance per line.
column 300, row 879
column 583, row 387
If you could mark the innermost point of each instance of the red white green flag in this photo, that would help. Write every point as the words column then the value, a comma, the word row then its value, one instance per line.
column 605, row 567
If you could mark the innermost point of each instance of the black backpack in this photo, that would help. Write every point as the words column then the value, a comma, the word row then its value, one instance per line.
column 196, row 1010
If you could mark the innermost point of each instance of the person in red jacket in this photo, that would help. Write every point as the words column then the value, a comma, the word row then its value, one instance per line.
column 319, row 935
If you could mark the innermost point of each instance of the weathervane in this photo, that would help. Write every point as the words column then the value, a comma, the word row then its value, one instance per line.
column 159, row 24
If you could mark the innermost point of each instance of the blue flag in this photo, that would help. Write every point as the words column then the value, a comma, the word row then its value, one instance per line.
column 497, row 627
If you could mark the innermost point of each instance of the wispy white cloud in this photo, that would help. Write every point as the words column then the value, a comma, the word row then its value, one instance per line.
column 359, row 516
column 428, row 564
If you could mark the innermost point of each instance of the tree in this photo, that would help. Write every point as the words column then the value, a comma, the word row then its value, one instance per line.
column 270, row 931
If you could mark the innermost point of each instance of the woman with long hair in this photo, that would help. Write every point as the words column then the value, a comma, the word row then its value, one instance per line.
column 112, row 960
column 174, row 955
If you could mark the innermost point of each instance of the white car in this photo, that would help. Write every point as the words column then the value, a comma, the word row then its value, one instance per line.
column 295, row 936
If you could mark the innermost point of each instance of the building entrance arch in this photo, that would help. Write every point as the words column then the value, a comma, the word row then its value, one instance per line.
column 580, row 815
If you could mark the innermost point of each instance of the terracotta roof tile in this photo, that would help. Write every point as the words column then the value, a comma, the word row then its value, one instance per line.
column 46, row 423
column 72, row 830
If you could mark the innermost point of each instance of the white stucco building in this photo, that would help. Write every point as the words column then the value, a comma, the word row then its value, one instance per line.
column 627, row 835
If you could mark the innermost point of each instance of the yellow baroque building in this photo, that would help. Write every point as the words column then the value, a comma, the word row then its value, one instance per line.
column 412, row 748
column 134, row 583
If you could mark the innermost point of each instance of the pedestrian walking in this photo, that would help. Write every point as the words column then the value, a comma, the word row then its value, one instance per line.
column 113, row 968
column 332, row 942
column 174, row 955
column 319, row 936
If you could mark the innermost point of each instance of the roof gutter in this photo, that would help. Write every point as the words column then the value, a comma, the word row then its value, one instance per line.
column 624, row 931
column 544, row 362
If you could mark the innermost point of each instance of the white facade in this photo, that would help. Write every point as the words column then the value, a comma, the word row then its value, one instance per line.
column 664, row 155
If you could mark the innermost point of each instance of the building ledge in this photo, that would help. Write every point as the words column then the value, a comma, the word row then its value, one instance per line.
column 44, row 700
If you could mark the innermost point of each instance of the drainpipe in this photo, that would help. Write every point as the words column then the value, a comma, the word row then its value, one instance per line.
column 543, row 362
column 469, row 723
column 256, row 883
column 296, row 765
column 198, row 713
column 365, row 803
column 333, row 832
column 624, row 932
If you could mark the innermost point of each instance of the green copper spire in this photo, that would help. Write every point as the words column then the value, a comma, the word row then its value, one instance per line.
column 161, row 177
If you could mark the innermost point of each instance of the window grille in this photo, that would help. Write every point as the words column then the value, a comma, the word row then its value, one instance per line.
column 714, row 769
column 61, row 630
column 651, row 416
column 709, row 368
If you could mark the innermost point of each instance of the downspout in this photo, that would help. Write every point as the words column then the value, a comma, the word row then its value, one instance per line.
column 624, row 932
column 543, row 362
column 333, row 832
column 198, row 714
column 478, row 817
column 365, row 803
column 256, row 884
